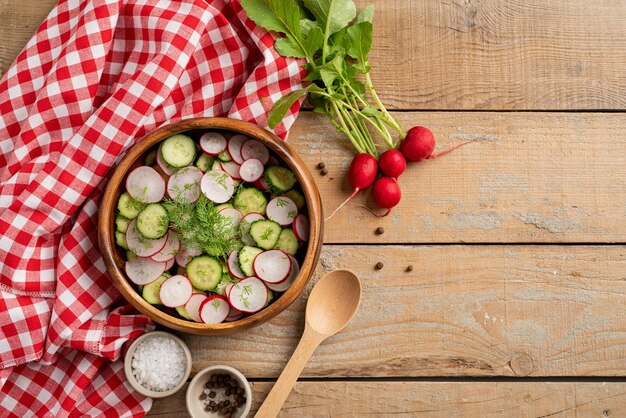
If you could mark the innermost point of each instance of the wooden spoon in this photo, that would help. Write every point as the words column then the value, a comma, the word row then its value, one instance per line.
column 333, row 302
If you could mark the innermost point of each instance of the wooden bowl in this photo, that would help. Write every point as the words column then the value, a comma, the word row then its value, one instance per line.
column 113, row 256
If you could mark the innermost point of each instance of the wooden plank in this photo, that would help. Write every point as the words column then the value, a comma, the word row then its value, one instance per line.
column 531, row 177
column 461, row 54
column 463, row 311
column 432, row 399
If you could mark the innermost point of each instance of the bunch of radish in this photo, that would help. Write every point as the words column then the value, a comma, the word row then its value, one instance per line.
column 382, row 175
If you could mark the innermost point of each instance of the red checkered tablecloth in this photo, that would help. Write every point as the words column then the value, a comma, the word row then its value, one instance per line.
column 97, row 76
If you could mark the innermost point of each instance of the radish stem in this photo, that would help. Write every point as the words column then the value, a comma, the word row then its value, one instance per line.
column 444, row 152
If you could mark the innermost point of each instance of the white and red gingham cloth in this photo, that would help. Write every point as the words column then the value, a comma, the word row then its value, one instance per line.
column 96, row 77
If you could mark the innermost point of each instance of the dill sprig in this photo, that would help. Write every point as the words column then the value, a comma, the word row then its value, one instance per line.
column 199, row 226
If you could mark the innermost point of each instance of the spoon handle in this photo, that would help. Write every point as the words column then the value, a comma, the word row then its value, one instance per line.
column 288, row 378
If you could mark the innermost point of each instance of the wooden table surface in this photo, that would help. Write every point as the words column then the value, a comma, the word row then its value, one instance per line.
column 517, row 303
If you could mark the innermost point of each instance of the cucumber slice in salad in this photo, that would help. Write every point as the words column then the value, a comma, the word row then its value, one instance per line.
column 287, row 242
column 178, row 150
column 280, row 179
column 246, row 258
column 204, row 162
column 153, row 221
column 204, row 272
column 129, row 207
column 297, row 198
column 120, row 239
column 249, row 199
column 150, row 158
column 121, row 223
column 224, row 156
column 265, row 233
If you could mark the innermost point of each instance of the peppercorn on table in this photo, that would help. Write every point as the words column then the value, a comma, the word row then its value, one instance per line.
column 497, row 287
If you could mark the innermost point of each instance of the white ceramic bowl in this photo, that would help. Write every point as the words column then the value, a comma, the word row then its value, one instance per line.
column 195, row 406
column 129, row 371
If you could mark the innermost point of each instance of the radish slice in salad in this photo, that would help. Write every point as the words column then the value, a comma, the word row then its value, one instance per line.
column 245, row 229
column 301, row 227
column 234, row 147
column 261, row 184
column 141, row 246
column 214, row 309
column 175, row 291
column 227, row 289
column 233, row 315
column 293, row 273
column 249, row 295
column 169, row 264
column 169, row 250
column 282, row 210
column 143, row 271
column 232, row 169
column 233, row 266
column 233, row 216
column 145, row 184
column 255, row 149
column 185, row 184
column 217, row 186
column 251, row 170
column 193, row 306
column 167, row 169
column 213, row 143
column 272, row 266
column 185, row 255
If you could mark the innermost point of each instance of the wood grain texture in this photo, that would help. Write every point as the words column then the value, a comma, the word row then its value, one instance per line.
column 530, row 177
column 435, row 399
column 465, row 54
column 463, row 311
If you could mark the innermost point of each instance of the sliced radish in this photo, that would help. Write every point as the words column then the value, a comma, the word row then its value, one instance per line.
column 214, row 309
column 233, row 315
column 169, row 264
column 168, row 169
column 176, row 291
column 233, row 216
column 249, row 295
column 261, row 184
column 145, row 184
column 234, row 147
column 233, row 265
column 245, row 229
column 251, row 170
column 293, row 273
column 272, row 266
column 217, row 186
column 143, row 271
column 255, row 149
column 232, row 168
column 213, row 143
column 169, row 250
column 282, row 210
column 141, row 246
column 301, row 227
column 185, row 255
column 193, row 306
column 227, row 289
column 185, row 184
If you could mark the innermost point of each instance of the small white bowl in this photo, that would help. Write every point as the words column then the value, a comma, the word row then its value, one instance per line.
column 195, row 406
column 129, row 371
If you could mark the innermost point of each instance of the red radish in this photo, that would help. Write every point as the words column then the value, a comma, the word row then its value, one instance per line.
column 193, row 306
column 185, row 184
column 167, row 169
column 217, row 186
column 233, row 265
column 233, row 216
column 142, row 271
column 301, row 227
column 251, row 170
column 272, row 266
column 169, row 264
column 361, row 175
column 141, row 246
column 386, row 193
column 169, row 250
column 145, row 184
column 255, row 149
column 261, row 184
column 227, row 289
column 176, row 291
column 233, row 315
column 245, row 227
column 249, row 295
column 234, row 147
column 185, row 255
column 213, row 143
column 286, row 284
column 232, row 169
column 214, row 309
column 419, row 145
column 282, row 210
column 392, row 163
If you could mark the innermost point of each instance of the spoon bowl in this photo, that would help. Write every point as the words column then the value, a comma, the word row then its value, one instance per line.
column 333, row 302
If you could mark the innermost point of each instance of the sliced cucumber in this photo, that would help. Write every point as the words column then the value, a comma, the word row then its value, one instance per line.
column 129, row 254
column 280, row 179
column 182, row 311
column 217, row 165
column 129, row 207
column 204, row 162
column 121, row 223
column 178, row 150
column 270, row 297
column 224, row 156
column 150, row 292
column 250, row 200
column 204, row 272
column 246, row 258
column 265, row 233
column 297, row 198
column 120, row 239
column 150, row 158
column 287, row 242
column 153, row 221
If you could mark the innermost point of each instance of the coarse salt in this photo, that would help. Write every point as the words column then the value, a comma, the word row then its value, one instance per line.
column 158, row 363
